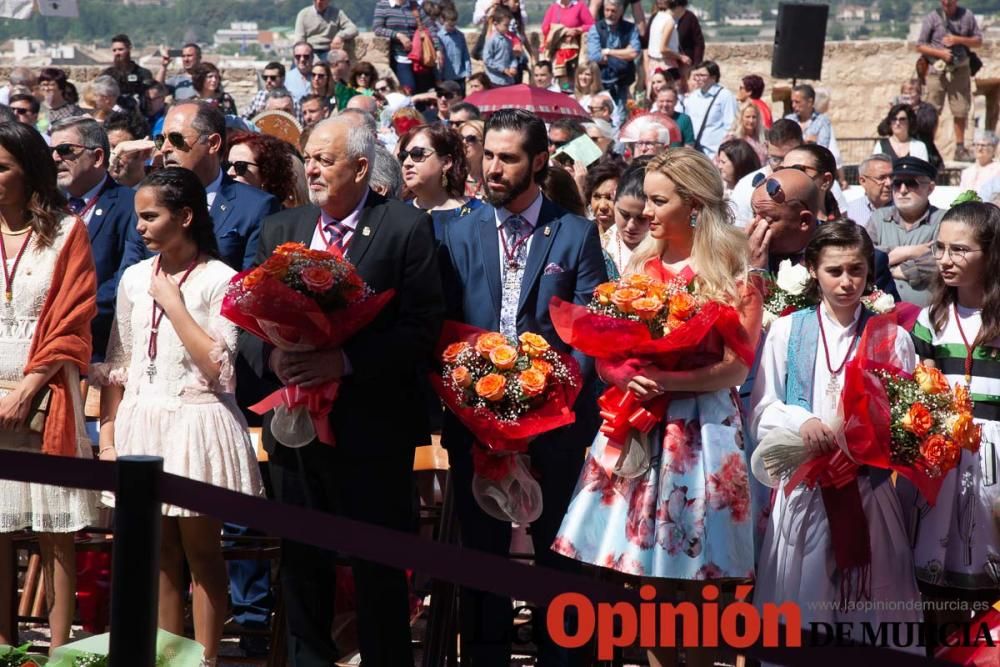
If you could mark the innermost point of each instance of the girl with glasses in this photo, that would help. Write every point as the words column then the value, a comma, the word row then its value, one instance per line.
column 896, row 130
column 434, row 174
column 956, row 542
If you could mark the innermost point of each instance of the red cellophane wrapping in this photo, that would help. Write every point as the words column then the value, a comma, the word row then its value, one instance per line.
column 292, row 321
column 981, row 653
column 866, row 405
column 554, row 407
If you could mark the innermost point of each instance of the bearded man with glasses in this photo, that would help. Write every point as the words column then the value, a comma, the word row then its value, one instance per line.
column 907, row 229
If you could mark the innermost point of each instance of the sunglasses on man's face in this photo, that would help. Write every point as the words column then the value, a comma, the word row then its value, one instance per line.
column 910, row 183
column 176, row 140
column 239, row 167
column 418, row 154
column 20, row 112
column 303, row 56
column 271, row 77
column 319, row 75
column 70, row 151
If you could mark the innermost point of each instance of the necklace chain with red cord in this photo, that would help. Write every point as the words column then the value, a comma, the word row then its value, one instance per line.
column 158, row 317
column 834, row 387
column 8, row 276
column 509, row 253
column 341, row 245
column 969, row 349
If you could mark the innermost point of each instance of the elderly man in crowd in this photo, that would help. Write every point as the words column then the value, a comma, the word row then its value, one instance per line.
column 907, row 229
column 613, row 43
column 712, row 108
column 324, row 27
column 985, row 168
column 602, row 107
column 874, row 176
column 783, row 136
column 652, row 139
column 181, row 86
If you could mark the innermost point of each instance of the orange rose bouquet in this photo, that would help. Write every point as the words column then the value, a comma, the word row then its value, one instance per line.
column 506, row 392
column 301, row 300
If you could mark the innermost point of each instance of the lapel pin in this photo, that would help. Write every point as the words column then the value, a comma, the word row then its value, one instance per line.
column 548, row 230
column 99, row 212
column 222, row 207
column 366, row 231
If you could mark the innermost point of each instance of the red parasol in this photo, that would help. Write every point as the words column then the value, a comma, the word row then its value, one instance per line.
column 545, row 104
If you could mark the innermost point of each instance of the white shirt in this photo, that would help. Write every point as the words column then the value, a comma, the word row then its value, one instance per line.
column 741, row 195
column 860, row 210
column 660, row 23
column 529, row 214
column 92, row 193
column 351, row 222
column 212, row 189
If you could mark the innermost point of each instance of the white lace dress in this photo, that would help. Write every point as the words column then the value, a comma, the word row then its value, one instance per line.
column 178, row 414
column 42, row 508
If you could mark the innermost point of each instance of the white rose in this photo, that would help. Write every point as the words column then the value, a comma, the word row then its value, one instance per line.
column 884, row 303
column 792, row 278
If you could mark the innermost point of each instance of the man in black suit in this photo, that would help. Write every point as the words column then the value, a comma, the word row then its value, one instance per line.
column 379, row 416
column 81, row 151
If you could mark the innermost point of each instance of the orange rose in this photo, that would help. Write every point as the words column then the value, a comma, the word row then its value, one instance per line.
column 253, row 278
column 930, row 380
column 277, row 266
column 317, row 278
column 962, row 401
column 533, row 345
column 453, row 351
column 683, row 306
column 918, row 420
column 532, row 382
column 318, row 255
column 640, row 281
column 967, row 433
column 487, row 341
column 671, row 324
column 460, row 376
column 624, row 297
column 940, row 452
column 503, row 357
column 647, row 307
column 290, row 248
column 492, row 387
column 604, row 292
column 542, row 366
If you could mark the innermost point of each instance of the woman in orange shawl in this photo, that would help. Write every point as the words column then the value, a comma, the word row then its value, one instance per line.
column 49, row 299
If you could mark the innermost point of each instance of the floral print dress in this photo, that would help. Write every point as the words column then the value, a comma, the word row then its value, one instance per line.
column 688, row 516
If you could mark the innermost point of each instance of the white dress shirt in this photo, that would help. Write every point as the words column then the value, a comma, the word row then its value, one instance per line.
column 530, row 216
column 212, row 189
column 350, row 222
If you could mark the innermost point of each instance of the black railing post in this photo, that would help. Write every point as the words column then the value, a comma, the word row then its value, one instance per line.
column 135, row 566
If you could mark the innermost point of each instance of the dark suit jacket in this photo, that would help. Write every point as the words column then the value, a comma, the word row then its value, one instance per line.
column 379, row 410
column 237, row 212
column 564, row 260
column 112, row 223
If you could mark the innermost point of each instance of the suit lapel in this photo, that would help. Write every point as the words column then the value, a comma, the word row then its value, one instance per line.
column 102, row 207
column 367, row 228
column 489, row 250
column 541, row 240
column 305, row 225
column 222, row 207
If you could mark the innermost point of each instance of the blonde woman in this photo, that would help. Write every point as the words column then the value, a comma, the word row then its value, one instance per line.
column 473, row 133
column 683, row 517
column 749, row 126
column 588, row 83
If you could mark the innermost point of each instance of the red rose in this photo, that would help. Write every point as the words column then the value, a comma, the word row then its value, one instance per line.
column 317, row 278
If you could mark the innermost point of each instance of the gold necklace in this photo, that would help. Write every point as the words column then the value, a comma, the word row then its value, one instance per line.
column 24, row 231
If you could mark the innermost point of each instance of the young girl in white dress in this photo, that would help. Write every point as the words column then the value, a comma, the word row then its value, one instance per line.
column 170, row 388
column 798, row 389
column 956, row 542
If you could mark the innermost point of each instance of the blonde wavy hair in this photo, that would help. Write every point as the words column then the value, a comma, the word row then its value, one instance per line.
column 719, row 251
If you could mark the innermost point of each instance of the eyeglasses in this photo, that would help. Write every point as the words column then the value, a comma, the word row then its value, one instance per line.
column 239, row 167
column 176, row 140
column 418, row 154
column 647, row 144
column 470, row 139
column 303, row 56
column 774, row 191
column 70, row 151
column 884, row 178
column 804, row 168
column 983, row 146
column 939, row 250
column 271, row 77
column 910, row 183
column 20, row 112
column 899, row 120
column 362, row 74
column 447, row 96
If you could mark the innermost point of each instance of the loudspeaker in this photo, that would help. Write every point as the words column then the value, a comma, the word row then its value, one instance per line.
column 798, row 41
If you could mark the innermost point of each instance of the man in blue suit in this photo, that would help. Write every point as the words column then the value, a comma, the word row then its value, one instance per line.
column 194, row 137
column 502, row 265
column 80, row 149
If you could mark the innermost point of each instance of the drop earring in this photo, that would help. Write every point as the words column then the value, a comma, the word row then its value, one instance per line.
column 694, row 219
column 444, row 181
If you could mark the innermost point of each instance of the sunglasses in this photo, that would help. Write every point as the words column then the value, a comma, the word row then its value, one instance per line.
column 319, row 75
column 239, row 167
column 447, row 96
column 306, row 56
column 20, row 112
column 418, row 154
column 557, row 144
column 470, row 139
column 910, row 183
column 900, row 120
column 773, row 189
column 271, row 77
column 176, row 140
column 70, row 151
column 382, row 89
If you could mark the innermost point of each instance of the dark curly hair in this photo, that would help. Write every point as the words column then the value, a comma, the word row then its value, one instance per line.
column 608, row 167
column 885, row 126
column 43, row 202
column 754, row 85
column 179, row 189
column 447, row 143
column 274, row 160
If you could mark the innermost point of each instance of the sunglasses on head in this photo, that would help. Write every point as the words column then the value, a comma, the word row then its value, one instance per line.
column 418, row 154
column 239, row 167
column 176, row 140
column 774, row 190
column 70, row 150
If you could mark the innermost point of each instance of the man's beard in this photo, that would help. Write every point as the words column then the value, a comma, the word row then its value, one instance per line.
column 319, row 197
column 513, row 191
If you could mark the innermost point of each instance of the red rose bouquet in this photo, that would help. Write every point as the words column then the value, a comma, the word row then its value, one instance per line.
column 643, row 321
column 506, row 392
column 301, row 300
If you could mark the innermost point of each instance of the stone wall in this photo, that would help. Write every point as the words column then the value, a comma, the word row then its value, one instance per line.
column 862, row 76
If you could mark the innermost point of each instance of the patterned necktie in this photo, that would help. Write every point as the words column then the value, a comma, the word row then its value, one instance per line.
column 336, row 232
column 76, row 205
column 515, row 231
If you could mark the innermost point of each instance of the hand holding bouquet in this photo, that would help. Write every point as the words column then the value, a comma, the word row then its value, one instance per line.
column 302, row 300
column 506, row 392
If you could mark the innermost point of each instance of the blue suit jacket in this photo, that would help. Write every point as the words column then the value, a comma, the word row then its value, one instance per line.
column 111, row 225
column 237, row 212
column 564, row 260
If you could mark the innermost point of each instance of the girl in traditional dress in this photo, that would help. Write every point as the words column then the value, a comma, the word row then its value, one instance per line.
column 798, row 389
column 49, row 299
column 169, row 389
column 956, row 543
column 686, row 518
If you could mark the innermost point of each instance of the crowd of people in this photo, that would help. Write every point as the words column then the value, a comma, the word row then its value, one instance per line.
column 123, row 221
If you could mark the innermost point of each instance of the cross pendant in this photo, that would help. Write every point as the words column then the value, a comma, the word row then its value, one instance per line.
column 9, row 318
column 833, row 388
column 151, row 371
